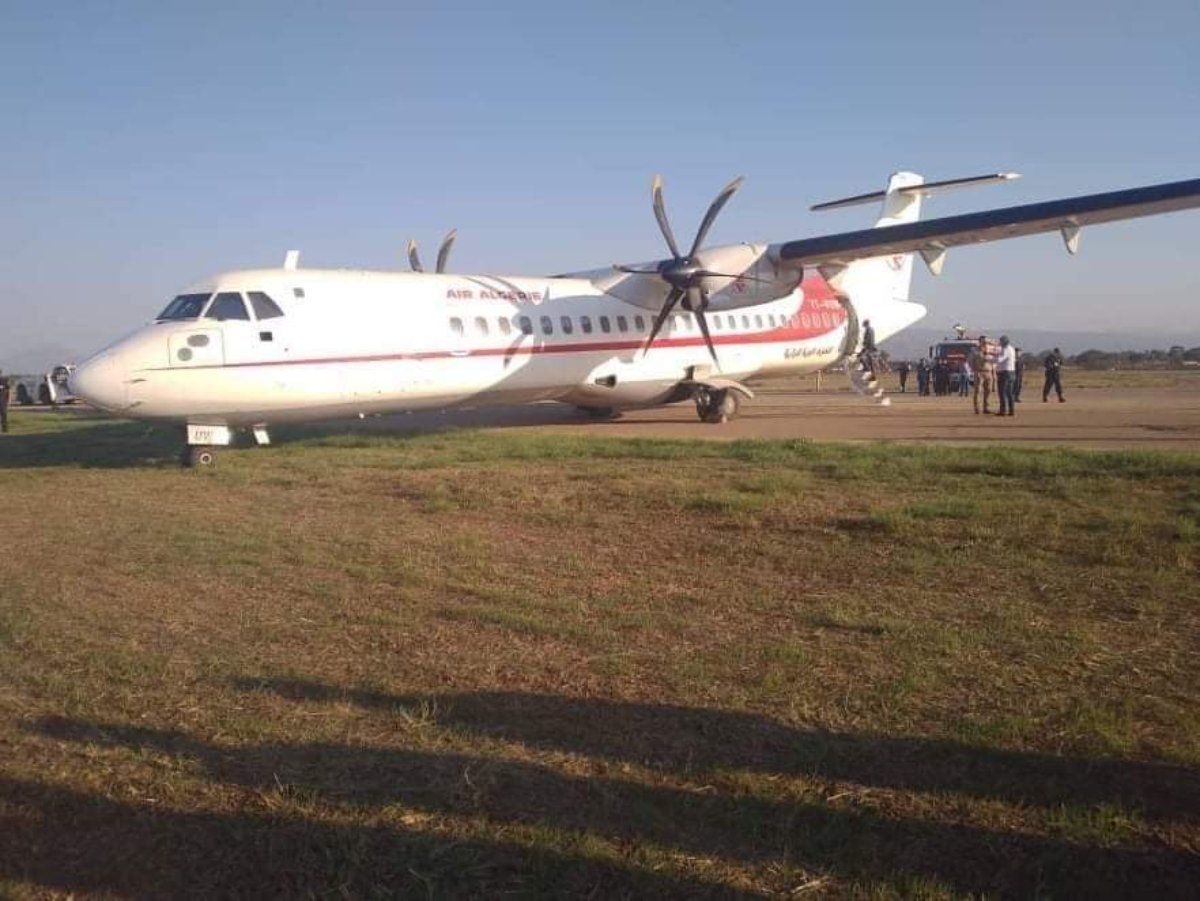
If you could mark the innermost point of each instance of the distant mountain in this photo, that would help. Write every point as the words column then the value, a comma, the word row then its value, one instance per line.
column 914, row 343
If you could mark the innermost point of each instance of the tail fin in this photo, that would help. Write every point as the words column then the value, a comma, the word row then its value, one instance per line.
column 886, row 278
column 878, row 288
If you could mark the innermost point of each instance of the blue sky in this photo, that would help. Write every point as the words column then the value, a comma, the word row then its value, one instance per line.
column 147, row 145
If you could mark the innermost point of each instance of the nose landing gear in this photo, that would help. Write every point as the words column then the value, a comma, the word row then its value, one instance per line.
column 202, row 444
column 196, row 456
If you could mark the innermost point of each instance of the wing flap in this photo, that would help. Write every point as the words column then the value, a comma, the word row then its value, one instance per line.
column 933, row 236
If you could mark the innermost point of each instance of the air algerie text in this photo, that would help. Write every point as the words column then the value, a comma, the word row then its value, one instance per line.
column 489, row 294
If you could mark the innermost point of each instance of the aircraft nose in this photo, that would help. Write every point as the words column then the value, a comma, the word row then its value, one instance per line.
column 100, row 383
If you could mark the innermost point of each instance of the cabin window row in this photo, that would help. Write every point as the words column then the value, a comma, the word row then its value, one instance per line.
column 586, row 325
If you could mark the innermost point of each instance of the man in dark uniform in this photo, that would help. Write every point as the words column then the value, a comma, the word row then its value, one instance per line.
column 1019, row 378
column 4, row 392
column 867, row 355
column 1053, row 364
column 922, row 377
column 903, row 370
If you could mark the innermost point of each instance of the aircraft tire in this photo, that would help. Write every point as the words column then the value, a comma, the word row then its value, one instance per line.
column 198, row 456
column 24, row 398
column 716, row 407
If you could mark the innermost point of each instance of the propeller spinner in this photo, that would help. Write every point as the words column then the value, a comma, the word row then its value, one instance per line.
column 414, row 260
column 684, row 273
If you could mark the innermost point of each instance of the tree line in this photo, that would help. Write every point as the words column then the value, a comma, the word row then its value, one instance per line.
column 1174, row 357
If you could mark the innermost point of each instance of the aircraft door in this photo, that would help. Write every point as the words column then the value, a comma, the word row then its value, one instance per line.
column 196, row 347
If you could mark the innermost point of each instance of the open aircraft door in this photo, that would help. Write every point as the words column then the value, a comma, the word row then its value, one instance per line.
column 196, row 347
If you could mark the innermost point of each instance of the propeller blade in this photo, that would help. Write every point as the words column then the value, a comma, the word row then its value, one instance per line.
column 672, row 299
column 632, row 271
column 660, row 213
column 444, row 250
column 703, row 323
column 413, row 260
column 715, row 207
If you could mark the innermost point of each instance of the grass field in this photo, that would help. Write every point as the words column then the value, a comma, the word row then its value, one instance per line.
column 477, row 664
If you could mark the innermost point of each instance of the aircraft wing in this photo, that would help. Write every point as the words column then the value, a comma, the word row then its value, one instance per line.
column 931, row 238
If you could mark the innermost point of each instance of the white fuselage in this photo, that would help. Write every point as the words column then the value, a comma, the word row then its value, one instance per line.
column 350, row 343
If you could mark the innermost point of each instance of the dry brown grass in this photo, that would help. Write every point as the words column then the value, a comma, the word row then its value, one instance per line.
column 476, row 664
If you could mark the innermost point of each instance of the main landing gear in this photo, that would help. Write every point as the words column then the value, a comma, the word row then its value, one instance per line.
column 717, row 405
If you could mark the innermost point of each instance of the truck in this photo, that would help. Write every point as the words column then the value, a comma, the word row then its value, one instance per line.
column 951, row 352
column 50, row 390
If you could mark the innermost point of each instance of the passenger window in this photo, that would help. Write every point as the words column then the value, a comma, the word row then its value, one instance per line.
column 481, row 325
column 566, row 325
column 605, row 325
column 585, row 324
column 264, row 307
column 227, row 306
column 639, row 323
column 298, row 293
column 547, row 325
column 622, row 324
column 526, row 325
column 758, row 323
column 505, row 326
column 456, row 325
column 745, row 322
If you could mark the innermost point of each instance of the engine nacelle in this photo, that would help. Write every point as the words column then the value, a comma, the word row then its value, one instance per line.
column 765, row 279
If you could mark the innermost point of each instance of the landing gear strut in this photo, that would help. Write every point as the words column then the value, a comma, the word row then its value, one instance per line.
column 716, row 406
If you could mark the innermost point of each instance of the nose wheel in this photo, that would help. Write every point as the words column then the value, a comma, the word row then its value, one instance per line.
column 198, row 457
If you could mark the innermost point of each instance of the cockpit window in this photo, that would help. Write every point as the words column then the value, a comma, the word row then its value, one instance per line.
column 227, row 305
column 185, row 306
column 264, row 307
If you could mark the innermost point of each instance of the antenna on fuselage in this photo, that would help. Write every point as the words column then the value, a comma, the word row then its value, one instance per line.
column 414, row 260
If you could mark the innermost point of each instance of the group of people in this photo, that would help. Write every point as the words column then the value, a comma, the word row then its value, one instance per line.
column 988, row 369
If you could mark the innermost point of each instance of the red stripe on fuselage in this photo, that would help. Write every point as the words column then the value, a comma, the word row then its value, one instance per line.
column 818, row 302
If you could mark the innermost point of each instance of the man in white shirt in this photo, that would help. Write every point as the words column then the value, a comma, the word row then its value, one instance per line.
column 1006, row 372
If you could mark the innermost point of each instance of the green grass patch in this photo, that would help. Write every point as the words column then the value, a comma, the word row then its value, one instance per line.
column 484, row 663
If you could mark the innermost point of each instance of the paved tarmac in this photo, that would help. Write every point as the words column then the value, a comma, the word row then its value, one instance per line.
column 1163, row 418
column 1166, row 418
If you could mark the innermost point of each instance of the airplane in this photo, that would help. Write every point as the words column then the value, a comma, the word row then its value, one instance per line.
column 245, row 350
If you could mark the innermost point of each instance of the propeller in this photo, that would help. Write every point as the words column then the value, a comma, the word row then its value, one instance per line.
column 443, row 253
column 683, row 273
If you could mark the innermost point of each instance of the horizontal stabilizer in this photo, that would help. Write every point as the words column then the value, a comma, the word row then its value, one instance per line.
column 924, row 190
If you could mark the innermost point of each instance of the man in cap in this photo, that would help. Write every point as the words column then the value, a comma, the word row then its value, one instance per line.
column 983, row 364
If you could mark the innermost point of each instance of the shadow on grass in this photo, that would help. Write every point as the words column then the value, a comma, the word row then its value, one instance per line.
column 853, row 843
column 92, row 442
column 70, row 842
column 695, row 740
column 423, row 422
